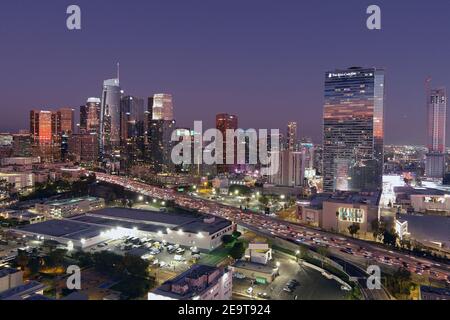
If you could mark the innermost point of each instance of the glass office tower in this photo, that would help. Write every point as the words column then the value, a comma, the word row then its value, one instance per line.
column 353, row 130
column 110, row 117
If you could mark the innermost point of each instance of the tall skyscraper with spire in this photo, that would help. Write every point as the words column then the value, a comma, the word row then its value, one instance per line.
column 436, row 129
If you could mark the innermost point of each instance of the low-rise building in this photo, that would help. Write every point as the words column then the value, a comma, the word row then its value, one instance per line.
column 22, row 216
column 187, row 230
column 432, row 293
column 12, row 286
column 423, row 200
column 20, row 161
column 200, row 282
column 258, row 253
column 337, row 211
column 18, row 180
column 70, row 207
column 261, row 273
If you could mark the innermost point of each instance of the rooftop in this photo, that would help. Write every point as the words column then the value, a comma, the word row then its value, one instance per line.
column 183, row 280
column 144, row 216
column 64, row 229
column 153, row 221
column 92, row 224
column 72, row 201
column 350, row 197
column 19, row 292
column 434, row 290
column 247, row 265
column 7, row 271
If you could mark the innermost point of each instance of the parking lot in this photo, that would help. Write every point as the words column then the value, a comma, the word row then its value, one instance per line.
column 165, row 259
column 310, row 285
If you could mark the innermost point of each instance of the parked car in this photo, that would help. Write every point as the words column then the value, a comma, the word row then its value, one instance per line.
column 177, row 257
column 238, row 275
column 194, row 250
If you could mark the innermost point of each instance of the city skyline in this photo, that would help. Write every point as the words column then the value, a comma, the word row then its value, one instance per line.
column 224, row 151
column 276, row 72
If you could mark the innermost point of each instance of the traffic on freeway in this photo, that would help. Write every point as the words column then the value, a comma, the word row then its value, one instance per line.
column 352, row 250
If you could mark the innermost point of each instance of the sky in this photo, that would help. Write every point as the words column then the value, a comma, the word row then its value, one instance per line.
column 263, row 60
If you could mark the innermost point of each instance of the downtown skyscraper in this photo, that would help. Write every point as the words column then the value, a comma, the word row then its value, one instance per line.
column 436, row 127
column 110, row 117
column 226, row 122
column 45, row 131
column 292, row 136
column 353, row 135
column 159, row 128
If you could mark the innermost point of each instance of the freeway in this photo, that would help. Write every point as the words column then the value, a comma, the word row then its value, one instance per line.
column 360, row 253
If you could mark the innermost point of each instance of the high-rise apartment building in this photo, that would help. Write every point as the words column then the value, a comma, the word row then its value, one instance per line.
column 292, row 136
column 83, row 148
column 159, row 146
column 158, row 128
column 226, row 122
column 66, row 118
column 90, row 116
column 353, row 135
column 162, row 107
column 290, row 170
column 436, row 129
column 132, row 129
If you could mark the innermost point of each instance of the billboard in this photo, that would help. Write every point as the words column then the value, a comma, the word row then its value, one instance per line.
column 355, row 215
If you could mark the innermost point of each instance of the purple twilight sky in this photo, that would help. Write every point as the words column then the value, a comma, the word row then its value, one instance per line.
column 263, row 60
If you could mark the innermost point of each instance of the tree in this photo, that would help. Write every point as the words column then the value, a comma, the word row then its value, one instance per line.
column 55, row 258
column 390, row 237
column 227, row 239
column 353, row 229
column 400, row 283
column 376, row 228
column 323, row 252
column 237, row 251
column 22, row 259
column 134, row 287
column 108, row 263
column 354, row 294
column 84, row 259
column 236, row 234
column 406, row 244
column 304, row 252
column 34, row 265
column 135, row 266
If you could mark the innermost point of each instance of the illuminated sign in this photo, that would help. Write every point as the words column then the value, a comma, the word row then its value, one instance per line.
column 432, row 199
column 348, row 74
column 351, row 215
